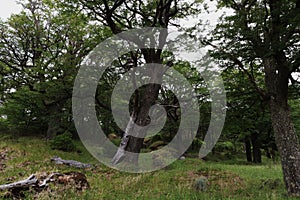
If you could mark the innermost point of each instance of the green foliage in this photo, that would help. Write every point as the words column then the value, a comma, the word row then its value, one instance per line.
column 224, row 146
column 116, row 141
column 63, row 142
column 41, row 50
column 23, row 112
column 295, row 114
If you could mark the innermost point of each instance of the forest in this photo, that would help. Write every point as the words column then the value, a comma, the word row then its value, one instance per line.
column 161, row 99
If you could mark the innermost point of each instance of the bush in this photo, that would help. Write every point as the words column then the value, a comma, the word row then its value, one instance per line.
column 224, row 146
column 63, row 142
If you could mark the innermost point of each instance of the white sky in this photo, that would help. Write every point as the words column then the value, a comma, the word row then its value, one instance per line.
column 8, row 7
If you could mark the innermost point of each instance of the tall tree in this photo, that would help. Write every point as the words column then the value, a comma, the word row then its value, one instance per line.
column 41, row 49
column 253, row 128
column 123, row 15
column 266, row 34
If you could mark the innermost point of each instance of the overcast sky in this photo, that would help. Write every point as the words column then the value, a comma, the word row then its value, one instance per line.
column 7, row 7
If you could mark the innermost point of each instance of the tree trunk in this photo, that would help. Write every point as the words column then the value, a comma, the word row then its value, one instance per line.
column 53, row 120
column 288, row 146
column 140, row 115
column 256, row 148
column 248, row 149
column 285, row 135
column 134, row 144
column 268, row 154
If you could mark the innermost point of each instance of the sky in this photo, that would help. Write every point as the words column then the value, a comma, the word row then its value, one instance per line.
column 8, row 7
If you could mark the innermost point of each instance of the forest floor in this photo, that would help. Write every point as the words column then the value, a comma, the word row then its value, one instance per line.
column 228, row 179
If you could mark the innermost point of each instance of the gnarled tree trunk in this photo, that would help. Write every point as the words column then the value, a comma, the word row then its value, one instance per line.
column 140, row 114
column 285, row 135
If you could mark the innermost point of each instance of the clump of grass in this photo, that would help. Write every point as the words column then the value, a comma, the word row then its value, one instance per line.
column 201, row 184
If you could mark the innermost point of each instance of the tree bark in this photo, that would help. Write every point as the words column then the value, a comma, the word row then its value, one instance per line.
column 256, row 152
column 285, row 135
column 248, row 149
column 140, row 114
column 288, row 147
column 134, row 144
column 54, row 120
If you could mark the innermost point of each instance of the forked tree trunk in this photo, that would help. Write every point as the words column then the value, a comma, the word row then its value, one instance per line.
column 285, row 135
column 134, row 144
column 140, row 115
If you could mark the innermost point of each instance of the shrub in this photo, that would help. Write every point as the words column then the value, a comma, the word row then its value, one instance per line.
column 63, row 142
column 224, row 146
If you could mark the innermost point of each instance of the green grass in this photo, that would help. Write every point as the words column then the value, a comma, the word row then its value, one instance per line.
column 227, row 179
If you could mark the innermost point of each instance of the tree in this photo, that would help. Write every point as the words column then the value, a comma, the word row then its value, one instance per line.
column 122, row 15
column 41, row 49
column 253, row 128
column 266, row 34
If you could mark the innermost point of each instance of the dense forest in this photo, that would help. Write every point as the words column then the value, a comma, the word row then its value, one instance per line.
column 254, row 48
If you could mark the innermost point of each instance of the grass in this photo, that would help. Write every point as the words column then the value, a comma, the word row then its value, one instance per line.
column 231, row 179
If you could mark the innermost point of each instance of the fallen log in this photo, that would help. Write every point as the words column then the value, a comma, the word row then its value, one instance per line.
column 74, row 179
column 73, row 163
column 29, row 182
column 49, row 179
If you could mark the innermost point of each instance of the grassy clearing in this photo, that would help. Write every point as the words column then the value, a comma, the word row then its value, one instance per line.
column 227, row 180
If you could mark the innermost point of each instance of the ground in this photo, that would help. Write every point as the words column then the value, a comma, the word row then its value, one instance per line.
column 227, row 179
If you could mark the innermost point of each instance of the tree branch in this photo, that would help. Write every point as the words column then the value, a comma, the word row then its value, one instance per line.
column 241, row 67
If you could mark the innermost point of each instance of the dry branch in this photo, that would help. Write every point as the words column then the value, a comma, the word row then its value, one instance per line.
column 75, row 179
column 29, row 182
column 73, row 163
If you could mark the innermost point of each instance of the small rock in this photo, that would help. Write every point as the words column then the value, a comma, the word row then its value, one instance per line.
column 182, row 158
